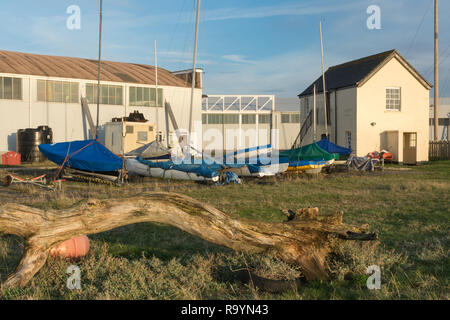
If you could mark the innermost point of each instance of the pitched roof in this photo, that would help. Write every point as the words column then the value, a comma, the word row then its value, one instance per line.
column 357, row 72
column 78, row 68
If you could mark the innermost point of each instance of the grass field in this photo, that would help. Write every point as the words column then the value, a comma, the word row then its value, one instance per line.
column 407, row 206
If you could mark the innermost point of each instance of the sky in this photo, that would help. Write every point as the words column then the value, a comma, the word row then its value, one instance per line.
column 244, row 46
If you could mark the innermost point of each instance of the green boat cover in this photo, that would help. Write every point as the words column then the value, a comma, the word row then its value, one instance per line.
column 310, row 152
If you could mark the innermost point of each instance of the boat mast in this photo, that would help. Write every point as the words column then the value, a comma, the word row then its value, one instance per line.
column 194, row 68
column 323, row 79
column 99, row 66
column 314, row 112
column 436, row 71
column 156, row 96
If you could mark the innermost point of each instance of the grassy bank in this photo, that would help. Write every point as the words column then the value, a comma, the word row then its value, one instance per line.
column 407, row 206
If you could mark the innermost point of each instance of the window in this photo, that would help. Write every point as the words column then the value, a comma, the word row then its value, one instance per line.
column 248, row 118
column 142, row 136
column 264, row 118
column 215, row 118
column 129, row 129
column 145, row 97
column 109, row 94
column 295, row 118
column 413, row 141
column 393, row 99
column 348, row 139
column 230, row 118
column 10, row 88
column 57, row 91
column 285, row 118
column 204, row 118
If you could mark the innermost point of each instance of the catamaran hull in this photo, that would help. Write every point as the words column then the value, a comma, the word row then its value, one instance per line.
column 263, row 171
column 136, row 167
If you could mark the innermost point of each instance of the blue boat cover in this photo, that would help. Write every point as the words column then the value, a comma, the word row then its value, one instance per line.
column 333, row 148
column 86, row 155
column 203, row 170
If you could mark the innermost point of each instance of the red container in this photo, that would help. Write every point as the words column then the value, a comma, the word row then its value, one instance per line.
column 11, row 158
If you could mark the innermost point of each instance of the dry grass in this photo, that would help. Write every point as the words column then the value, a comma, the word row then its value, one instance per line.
column 408, row 208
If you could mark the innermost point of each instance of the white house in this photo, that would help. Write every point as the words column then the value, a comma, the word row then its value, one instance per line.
column 374, row 103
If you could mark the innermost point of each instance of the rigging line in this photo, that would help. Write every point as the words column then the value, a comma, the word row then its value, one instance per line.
column 418, row 29
column 176, row 25
column 441, row 61
column 446, row 83
column 189, row 35
column 183, row 54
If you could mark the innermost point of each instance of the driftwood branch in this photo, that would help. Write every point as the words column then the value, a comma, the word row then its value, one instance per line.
column 302, row 240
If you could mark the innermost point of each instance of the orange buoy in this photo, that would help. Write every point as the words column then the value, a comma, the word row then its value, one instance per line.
column 73, row 248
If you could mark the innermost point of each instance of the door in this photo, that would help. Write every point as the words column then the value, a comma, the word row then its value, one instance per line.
column 410, row 148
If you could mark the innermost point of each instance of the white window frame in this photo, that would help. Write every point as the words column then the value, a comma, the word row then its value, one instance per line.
column 389, row 106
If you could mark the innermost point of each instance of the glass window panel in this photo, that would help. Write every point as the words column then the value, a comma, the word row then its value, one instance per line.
column 147, row 97
column 152, row 98
column 1, row 87
column 284, row 118
column 7, row 88
column 41, row 90
column 91, row 93
column 248, row 118
column 160, row 97
column 50, row 90
column 139, row 96
column 264, row 118
column 94, row 94
column 104, row 94
column 295, row 118
column 66, row 92
column 142, row 136
column 215, row 119
column 74, row 91
column 204, row 118
column 231, row 119
column 119, row 96
column 133, row 96
column 58, row 96
column 17, row 88
column 112, row 95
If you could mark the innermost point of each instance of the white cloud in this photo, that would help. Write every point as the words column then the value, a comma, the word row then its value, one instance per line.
column 236, row 58
column 285, row 75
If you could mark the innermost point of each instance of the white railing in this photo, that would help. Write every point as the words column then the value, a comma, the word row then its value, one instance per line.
column 238, row 104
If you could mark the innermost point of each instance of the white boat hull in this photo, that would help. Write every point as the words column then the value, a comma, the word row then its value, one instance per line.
column 269, row 170
column 136, row 167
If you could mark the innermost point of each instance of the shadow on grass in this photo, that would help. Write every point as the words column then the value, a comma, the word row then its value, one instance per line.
column 150, row 239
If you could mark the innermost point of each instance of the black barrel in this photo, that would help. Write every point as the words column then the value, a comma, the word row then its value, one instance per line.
column 47, row 134
column 28, row 141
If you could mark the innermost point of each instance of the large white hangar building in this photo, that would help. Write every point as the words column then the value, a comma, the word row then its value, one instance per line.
column 41, row 90
column 38, row 90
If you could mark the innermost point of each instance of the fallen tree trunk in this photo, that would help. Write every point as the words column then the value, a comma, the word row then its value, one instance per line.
column 302, row 240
